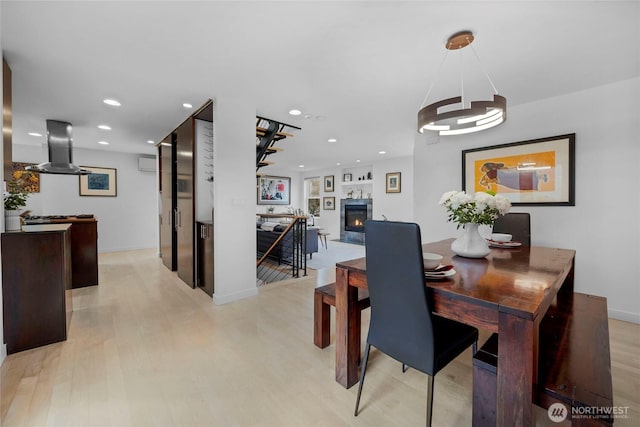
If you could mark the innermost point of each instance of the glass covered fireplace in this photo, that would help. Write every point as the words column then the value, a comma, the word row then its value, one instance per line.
column 354, row 217
column 353, row 214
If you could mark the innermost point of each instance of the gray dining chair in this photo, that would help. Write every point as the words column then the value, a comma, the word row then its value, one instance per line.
column 402, row 324
column 518, row 224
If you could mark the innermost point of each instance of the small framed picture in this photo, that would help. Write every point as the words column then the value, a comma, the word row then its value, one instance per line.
column 393, row 182
column 346, row 177
column 100, row 182
column 328, row 184
column 329, row 203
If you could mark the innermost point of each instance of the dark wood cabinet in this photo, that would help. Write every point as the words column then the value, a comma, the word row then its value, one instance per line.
column 168, row 208
column 36, row 286
column 84, row 253
column 205, row 266
column 185, row 203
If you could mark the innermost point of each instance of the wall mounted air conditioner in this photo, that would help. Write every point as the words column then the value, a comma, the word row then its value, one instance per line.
column 147, row 163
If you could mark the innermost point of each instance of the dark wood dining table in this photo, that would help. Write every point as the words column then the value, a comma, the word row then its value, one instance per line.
column 507, row 292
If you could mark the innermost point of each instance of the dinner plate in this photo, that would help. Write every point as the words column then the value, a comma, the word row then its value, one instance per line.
column 440, row 275
column 511, row 244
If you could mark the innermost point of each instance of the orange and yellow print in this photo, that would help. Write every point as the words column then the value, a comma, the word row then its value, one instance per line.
column 28, row 181
column 515, row 174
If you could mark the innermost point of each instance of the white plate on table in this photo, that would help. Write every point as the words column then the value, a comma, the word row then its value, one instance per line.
column 512, row 244
column 432, row 275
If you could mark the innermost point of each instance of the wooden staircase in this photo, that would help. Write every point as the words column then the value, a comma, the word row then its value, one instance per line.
column 268, row 132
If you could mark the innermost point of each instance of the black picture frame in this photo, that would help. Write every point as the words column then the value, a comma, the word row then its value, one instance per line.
column 537, row 172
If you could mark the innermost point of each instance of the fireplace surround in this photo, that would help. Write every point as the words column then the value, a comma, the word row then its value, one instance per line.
column 353, row 214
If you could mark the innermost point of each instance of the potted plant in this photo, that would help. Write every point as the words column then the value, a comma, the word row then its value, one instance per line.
column 469, row 211
column 14, row 199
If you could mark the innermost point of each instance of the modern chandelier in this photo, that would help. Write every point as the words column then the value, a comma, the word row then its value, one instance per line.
column 479, row 115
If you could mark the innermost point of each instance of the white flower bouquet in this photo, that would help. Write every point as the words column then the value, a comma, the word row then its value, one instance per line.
column 479, row 208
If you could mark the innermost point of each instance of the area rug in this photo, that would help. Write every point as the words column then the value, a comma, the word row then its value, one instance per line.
column 336, row 251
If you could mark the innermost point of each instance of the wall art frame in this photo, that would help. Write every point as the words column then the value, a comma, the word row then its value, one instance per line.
column 27, row 181
column 537, row 172
column 393, row 182
column 329, row 203
column 274, row 190
column 329, row 184
column 101, row 182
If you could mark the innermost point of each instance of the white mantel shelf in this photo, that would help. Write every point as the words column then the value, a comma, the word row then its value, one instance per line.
column 361, row 182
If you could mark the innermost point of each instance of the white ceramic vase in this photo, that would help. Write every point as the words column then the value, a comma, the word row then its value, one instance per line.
column 470, row 244
column 12, row 220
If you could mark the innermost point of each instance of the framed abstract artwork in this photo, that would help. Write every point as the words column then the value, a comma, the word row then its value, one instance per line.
column 100, row 182
column 274, row 190
column 535, row 172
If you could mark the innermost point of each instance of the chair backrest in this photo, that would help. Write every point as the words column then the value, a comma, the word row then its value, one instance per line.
column 518, row 224
column 401, row 324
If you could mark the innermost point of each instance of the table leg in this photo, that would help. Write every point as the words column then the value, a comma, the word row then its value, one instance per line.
column 347, row 330
column 515, row 371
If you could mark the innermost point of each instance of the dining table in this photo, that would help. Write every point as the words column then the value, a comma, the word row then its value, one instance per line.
column 507, row 292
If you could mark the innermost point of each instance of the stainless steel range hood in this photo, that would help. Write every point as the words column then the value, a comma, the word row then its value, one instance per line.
column 60, row 145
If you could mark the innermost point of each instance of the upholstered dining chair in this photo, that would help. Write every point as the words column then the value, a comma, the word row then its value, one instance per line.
column 402, row 324
column 518, row 224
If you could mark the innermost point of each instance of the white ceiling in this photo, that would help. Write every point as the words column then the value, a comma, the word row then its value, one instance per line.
column 363, row 68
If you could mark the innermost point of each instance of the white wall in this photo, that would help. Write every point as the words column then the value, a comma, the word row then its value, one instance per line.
column 395, row 206
column 234, row 198
column 603, row 227
column 126, row 222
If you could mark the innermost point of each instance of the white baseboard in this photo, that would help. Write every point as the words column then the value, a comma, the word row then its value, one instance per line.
column 224, row 299
column 625, row 316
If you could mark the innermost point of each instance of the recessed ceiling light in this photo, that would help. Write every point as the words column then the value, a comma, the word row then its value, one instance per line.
column 332, row 140
column 112, row 102
column 187, row 105
column 295, row 112
column 338, row 164
column 300, row 166
column 382, row 152
column 35, row 134
column 150, row 142
column 357, row 161
column 103, row 142
column 104, row 127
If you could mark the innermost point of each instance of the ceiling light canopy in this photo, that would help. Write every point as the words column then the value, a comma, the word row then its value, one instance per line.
column 477, row 116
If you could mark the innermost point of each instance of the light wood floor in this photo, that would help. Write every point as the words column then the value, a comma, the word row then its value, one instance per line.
column 146, row 350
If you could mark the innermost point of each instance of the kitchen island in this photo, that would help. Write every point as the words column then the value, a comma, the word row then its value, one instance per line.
column 84, row 245
column 36, row 285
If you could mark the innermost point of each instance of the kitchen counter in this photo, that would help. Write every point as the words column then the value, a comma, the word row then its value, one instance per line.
column 36, row 286
column 41, row 228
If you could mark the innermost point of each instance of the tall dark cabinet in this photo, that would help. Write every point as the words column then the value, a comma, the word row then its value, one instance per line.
column 177, row 186
column 168, row 202
column 185, row 206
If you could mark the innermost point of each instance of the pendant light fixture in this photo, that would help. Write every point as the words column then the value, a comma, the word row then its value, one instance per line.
column 477, row 116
